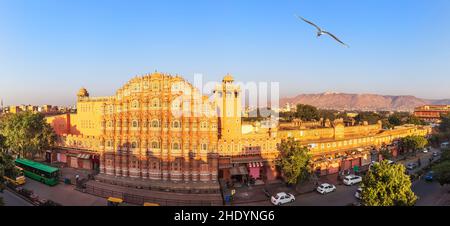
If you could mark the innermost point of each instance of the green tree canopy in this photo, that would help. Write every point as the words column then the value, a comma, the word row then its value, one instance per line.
column 294, row 161
column 444, row 127
column 370, row 117
column 307, row 112
column 387, row 185
column 414, row 120
column 442, row 169
column 394, row 120
column 3, row 146
column 442, row 172
column 27, row 134
column 413, row 143
column 385, row 153
column 6, row 164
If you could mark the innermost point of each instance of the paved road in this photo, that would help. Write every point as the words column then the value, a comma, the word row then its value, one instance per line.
column 430, row 194
column 11, row 199
column 64, row 194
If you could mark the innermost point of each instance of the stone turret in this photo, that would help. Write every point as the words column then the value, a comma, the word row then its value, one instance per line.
column 83, row 93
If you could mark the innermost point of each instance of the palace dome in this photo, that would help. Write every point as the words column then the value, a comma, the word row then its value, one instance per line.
column 228, row 78
column 83, row 93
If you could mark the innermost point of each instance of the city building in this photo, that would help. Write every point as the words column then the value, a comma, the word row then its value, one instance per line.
column 431, row 113
column 159, row 129
column 156, row 128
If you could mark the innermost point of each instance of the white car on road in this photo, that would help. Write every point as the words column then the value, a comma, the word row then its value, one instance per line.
column 326, row 188
column 282, row 198
column 352, row 179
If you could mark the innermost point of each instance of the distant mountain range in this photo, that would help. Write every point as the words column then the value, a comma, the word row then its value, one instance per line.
column 361, row 102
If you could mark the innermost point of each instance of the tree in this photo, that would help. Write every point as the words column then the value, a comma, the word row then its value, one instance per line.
column 370, row 117
column 385, row 153
column 307, row 112
column 442, row 172
column 3, row 146
column 387, row 185
column 444, row 127
column 27, row 134
column 413, row 143
column 414, row 120
column 442, row 169
column 6, row 165
column 394, row 120
column 294, row 161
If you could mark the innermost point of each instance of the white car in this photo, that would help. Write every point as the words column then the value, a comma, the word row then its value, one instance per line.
column 282, row 198
column 358, row 193
column 352, row 179
column 425, row 150
column 326, row 188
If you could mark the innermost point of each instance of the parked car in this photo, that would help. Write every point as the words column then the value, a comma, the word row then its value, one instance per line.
column 425, row 150
column 429, row 176
column 411, row 166
column 352, row 179
column 435, row 154
column 282, row 198
column 326, row 188
column 358, row 193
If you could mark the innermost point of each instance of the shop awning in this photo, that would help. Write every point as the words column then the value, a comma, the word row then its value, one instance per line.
column 255, row 164
column 84, row 156
column 242, row 170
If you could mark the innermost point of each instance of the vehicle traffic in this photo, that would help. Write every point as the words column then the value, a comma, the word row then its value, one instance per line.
column 37, row 171
column 429, row 176
column 282, row 198
column 352, row 179
column 326, row 188
column 411, row 166
column 15, row 176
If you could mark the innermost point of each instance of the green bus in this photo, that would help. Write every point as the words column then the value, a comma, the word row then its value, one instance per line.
column 39, row 172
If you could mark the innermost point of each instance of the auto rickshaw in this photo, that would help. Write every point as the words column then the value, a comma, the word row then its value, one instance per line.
column 114, row 201
column 151, row 204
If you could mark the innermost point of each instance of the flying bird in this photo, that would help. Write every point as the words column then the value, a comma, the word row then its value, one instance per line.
column 321, row 32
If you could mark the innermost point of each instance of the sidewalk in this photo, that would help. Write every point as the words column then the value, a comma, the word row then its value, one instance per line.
column 140, row 196
column 70, row 173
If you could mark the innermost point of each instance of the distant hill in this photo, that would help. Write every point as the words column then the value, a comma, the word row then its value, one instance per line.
column 361, row 102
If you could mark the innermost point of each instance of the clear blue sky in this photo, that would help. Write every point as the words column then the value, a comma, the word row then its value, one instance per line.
column 50, row 48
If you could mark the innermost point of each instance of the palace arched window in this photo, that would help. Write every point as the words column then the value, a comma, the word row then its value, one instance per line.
column 176, row 124
column 155, row 124
column 155, row 86
column 135, row 124
column 156, row 103
column 204, row 125
column 204, row 147
column 155, row 145
column 135, row 104
column 110, row 124
column 176, row 146
column 134, row 144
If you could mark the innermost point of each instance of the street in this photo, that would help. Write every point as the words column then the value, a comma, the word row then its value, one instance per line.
column 12, row 199
column 64, row 194
column 429, row 193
